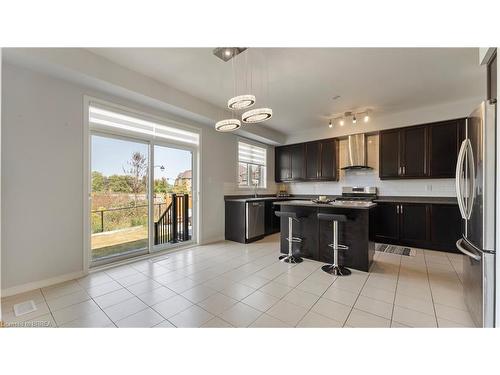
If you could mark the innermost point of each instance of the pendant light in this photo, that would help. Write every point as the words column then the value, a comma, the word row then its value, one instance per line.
column 241, row 102
column 257, row 115
column 228, row 125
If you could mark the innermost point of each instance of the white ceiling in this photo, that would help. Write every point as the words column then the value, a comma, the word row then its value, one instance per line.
column 299, row 83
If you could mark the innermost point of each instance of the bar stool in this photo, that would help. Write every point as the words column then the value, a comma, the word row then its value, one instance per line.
column 335, row 268
column 290, row 258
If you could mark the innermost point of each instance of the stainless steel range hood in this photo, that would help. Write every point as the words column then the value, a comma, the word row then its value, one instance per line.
column 356, row 152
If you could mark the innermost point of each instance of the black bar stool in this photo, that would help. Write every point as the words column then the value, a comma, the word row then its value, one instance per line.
column 290, row 258
column 335, row 268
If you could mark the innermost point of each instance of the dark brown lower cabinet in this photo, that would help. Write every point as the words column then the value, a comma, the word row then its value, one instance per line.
column 423, row 225
column 414, row 223
column 387, row 222
column 272, row 222
column 445, row 226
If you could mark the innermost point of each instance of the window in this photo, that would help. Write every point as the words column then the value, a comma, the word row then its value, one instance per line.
column 113, row 121
column 251, row 165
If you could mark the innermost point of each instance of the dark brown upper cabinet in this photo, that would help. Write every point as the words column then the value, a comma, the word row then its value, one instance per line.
column 297, row 162
column 328, row 156
column 289, row 163
column 311, row 161
column 422, row 151
column 445, row 139
column 414, row 155
column 389, row 154
column 283, row 166
column 492, row 79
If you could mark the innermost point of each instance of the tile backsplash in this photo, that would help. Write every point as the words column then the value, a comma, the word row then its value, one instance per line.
column 426, row 187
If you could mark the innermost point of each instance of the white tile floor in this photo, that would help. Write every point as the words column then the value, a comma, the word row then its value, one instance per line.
column 233, row 285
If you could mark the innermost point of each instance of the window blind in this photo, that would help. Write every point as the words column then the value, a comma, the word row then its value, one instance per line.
column 248, row 153
column 105, row 119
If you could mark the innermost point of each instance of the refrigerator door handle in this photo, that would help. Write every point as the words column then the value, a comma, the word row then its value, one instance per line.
column 472, row 166
column 467, row 252
column 458, row 173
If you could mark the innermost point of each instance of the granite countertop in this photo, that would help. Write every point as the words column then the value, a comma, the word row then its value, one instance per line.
column 253, row 199
column 398, row 199
column 380, row 199
column 338, row 204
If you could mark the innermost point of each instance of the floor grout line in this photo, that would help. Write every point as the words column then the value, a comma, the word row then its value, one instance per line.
column 396, row 291
column 430, row 288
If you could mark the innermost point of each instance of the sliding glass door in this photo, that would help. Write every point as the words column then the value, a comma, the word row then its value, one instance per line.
column 119, row 198
column 125, row 219
column 172, row 196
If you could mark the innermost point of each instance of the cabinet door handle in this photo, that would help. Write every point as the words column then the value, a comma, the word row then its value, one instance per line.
column 400, row 173
column 404, row 170
column 397, row 209
column 401, row 208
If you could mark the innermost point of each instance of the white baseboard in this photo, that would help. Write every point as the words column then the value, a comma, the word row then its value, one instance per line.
column 41, row 284
column 212, row 240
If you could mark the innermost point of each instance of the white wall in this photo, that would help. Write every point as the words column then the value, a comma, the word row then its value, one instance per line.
column 42, row 176
column 378, row 121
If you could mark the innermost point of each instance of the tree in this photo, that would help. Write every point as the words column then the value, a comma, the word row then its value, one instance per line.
column 162, row 186
column 98, row 182
column 138, row 167
column 119, row 183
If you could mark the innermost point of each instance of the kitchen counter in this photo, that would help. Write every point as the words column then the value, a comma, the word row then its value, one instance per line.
column 258, row 199
column 336, row 204
column 432, row 200
column 316, row 235
column 380, row 199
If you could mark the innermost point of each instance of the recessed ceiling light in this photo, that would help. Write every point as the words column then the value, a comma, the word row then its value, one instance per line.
column 227, row 125
column 227, row 53
column 257, row 115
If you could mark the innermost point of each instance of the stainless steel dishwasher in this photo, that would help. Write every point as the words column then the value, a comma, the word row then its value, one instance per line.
column 255, row 214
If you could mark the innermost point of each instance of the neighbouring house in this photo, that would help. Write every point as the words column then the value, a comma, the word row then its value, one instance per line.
column 183, row 181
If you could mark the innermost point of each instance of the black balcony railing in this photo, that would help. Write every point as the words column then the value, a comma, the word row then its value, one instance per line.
column 171, row 226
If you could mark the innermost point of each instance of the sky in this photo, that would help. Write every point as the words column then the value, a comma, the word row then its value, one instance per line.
column 110, row 156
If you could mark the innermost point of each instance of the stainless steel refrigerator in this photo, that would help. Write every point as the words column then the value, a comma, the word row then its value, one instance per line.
column 475, row 185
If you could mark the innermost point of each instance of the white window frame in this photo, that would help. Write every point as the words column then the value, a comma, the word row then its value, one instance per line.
column 263, row 172
column 195, row 150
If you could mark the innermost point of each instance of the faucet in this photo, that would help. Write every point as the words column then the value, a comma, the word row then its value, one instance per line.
column 255, row 185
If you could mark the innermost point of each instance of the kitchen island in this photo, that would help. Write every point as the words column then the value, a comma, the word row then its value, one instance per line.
column 357, row 233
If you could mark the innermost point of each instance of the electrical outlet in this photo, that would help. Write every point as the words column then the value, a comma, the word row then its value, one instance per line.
column 428, row 187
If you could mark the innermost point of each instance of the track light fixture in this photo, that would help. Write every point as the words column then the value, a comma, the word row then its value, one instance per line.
column 353, row 116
